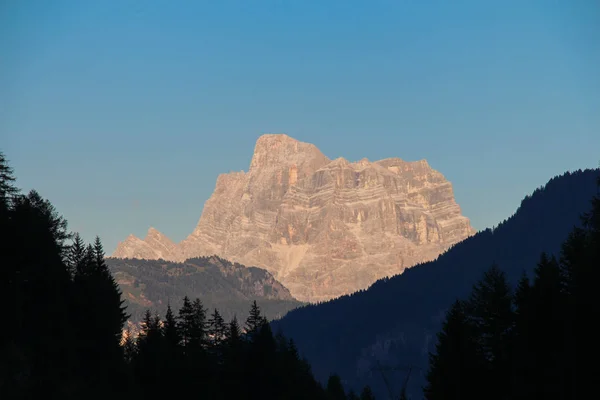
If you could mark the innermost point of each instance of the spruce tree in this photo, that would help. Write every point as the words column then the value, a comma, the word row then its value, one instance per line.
column 129, row 346
column 199, row 325
column 352, row 395
column 170, row 330
column 546, row 320
column 335, row 390
column 255, row 319
column 186, row 322
column 234, row 331
column 523, row 362
column 491, row 314
column 367, row 393
column 455, row 367
column 217, row 328
column 8, row 189
column 76, row 255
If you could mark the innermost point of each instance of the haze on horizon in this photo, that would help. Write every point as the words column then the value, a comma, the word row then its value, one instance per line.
column 124, row 113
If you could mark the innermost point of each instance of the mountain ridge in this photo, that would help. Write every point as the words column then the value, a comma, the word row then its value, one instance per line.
column 219, row 283
column 400, row 316
column 322, row 227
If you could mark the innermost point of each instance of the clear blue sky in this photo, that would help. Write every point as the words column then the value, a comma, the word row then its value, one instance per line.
column 123, row 113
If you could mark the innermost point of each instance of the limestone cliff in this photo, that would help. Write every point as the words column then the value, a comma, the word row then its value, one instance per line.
column 322, row 227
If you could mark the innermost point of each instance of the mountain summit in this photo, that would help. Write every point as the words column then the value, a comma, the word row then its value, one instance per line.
column 322, row 227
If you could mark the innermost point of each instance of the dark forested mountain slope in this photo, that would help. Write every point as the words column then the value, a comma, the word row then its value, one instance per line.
column 394, row 322
column 152, row 284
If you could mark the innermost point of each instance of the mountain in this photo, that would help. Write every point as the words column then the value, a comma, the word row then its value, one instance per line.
column 221, row 284
column 322, row 227
column 394, row 322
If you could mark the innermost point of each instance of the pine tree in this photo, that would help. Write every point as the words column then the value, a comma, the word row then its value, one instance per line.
column 129, row 346
column 199, row 325
column 456, row 366
column 170, row 329
column 7, row 188
column 367, row 393
column 76, row 255
column 234, row 363
column 352, row 395
column 255, row 320
column 335, row 390
column 217, row 328
column 109, row 294
column 186, row 321
column 523, row 363
column 100, row 314
column 234, row 331
column 491, row 314
column 149, row 361
column 35, row 288
column 546, row 320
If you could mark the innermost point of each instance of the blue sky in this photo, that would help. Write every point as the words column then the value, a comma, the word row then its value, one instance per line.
column 123, row 113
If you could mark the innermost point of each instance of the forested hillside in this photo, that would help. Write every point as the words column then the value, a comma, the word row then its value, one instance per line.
column 218, row 283
column 393, row 325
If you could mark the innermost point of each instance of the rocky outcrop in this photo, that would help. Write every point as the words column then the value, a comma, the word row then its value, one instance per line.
column 322, row 227
column 154, row 246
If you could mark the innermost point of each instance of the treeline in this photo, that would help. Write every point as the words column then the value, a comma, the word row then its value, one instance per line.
column 62, row 310
column 536, row 342
column 63, row 320
column 219, row 360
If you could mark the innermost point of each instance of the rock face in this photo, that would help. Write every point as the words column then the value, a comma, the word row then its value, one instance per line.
column 322, row 227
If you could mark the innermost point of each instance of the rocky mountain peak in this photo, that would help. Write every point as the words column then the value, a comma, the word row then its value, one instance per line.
column 277, row 150
column 323, row 228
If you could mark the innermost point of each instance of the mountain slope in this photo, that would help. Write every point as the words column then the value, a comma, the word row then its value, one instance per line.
column 394, row 322
column 322, row 227
column 229, row 287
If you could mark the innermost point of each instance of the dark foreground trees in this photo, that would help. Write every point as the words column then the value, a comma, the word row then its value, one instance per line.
column 535, row 343
column 226, row 364
column 63, row 319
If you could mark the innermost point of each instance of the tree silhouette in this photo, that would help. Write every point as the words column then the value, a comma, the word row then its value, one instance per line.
column 8, row 190
column 367, row 394
column 335, row 390
column 217, row 328
column 255, row 320
column 458, row 364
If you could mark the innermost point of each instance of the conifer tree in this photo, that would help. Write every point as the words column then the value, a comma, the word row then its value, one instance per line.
column 186, row 321
column 255, row 319
column 522, row 381
column 217, row 327
column 491, row 314
column 546, row 320
column 199, row 325
column 170, row 329
column 335, row 390
column 352, row 395
column 8, row 189
column 129, row 346
column 367, row 393
column 234, row 332
column 76, row 255
column 457, row 363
